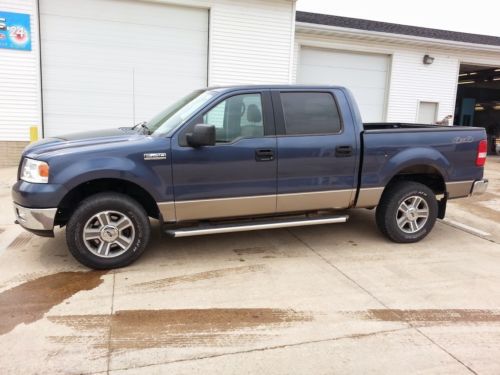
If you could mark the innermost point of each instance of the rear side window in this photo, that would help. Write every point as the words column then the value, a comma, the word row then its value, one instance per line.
column 310, row 113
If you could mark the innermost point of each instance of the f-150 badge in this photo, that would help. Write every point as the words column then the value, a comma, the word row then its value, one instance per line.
column 155, row 156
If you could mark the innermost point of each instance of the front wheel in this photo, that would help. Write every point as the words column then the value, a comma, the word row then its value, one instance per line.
column 407, row 211
column 108, row 230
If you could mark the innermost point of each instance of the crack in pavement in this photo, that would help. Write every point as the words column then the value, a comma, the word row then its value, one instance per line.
column 409, row 324
column 283, row 346
column 108, row 361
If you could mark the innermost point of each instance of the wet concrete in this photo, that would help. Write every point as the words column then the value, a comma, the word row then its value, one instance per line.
column 199, row 276
column 21, row 240
column 444, row 316
column 482, row 211
column 29, row 301
column 142, row 329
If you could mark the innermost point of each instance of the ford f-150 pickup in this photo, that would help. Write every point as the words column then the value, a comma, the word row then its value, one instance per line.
column 241, row 158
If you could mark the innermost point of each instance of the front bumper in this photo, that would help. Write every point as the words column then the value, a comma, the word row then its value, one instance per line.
column 35, row 219
column 479, row 187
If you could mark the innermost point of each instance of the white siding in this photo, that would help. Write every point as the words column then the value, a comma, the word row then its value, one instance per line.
column 410, row 80
column 19, row 81
column 250, row 41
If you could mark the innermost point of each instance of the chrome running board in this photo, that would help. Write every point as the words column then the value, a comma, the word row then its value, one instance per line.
column 254, row 225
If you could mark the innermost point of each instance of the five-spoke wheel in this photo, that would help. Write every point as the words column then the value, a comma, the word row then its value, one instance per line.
column 407, row 211
column 108, row 234
column 108, row 230
column 412, row 214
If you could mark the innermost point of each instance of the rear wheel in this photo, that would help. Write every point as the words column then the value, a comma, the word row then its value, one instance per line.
column 108, row 230
column 407, row 211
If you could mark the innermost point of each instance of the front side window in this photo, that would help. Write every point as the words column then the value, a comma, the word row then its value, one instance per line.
column 310, row 113
column 237, row 116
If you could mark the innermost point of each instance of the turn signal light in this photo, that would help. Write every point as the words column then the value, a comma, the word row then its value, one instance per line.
column 482, row 150
column 43, row 170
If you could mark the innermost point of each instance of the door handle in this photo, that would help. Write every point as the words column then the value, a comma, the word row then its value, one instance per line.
column 343, row 151
column 264, row 154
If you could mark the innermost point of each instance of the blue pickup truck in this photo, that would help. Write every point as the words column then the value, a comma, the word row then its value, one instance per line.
column 242, row 158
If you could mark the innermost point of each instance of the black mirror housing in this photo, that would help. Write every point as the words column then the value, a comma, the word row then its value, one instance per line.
column 202, row 135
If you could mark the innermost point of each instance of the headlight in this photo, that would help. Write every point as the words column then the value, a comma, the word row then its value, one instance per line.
column 35, row 171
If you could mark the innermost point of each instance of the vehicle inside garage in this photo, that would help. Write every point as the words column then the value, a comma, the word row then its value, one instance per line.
column 478, row 100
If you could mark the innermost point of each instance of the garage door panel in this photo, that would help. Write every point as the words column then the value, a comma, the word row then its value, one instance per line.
column 86, row 79
column 120, row 35
column 61, row 124
column 131, row 12
column 73, row 102
column 339, row 59
column 364, row 74
column 117, row 60
column 341, row 76
column 187, row 64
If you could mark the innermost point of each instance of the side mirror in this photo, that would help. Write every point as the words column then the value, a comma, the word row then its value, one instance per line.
column 202, row 135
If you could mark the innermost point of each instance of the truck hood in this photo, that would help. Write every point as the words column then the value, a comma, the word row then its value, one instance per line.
column 70, row 142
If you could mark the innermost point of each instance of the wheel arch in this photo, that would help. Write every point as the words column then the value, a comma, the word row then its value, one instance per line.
column 426, row 174
column 78, row 193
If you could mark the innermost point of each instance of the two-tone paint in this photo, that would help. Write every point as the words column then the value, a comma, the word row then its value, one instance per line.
column 305, row 172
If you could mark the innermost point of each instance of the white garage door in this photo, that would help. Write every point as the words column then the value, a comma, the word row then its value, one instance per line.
column 112, row 63
column 364, row 74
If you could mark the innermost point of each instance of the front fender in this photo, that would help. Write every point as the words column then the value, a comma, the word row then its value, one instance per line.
column 152, row 176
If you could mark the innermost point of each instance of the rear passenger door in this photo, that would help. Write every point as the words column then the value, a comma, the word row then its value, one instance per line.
column 317, row 150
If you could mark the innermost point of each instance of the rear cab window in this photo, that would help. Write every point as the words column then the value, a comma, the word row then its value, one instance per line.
column 309, row 113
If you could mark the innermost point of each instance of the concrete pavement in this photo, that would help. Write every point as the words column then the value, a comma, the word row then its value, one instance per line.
column 327, row 299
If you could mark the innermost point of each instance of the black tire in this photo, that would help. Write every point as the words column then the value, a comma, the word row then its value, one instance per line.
column 388, row 212
column 112, row 205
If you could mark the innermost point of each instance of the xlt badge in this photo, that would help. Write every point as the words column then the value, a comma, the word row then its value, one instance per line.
column 155, row 156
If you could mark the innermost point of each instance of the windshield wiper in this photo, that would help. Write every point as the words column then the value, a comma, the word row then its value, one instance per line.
column 142, row 125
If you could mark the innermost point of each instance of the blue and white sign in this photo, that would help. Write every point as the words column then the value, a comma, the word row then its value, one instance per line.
column 15, row 31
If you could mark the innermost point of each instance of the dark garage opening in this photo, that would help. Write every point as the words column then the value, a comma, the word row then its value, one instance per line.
column 478, row 101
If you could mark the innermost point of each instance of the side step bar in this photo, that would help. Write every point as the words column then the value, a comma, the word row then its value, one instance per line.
column 254, row 225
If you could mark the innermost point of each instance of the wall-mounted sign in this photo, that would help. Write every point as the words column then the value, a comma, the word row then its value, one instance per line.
column 15, row 31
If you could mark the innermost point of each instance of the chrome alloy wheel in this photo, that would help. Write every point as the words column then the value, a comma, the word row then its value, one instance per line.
column 412, row 214
column 108, row 234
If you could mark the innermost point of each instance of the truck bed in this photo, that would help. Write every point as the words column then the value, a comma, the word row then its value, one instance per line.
column 371, row 127
column 452, row 150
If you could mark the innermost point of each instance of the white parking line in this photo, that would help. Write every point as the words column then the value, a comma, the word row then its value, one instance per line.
column 466, row 228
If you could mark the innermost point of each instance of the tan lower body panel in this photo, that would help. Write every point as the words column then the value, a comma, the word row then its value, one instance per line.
column 369, row 197
column 336, row 199
column 167, row 211
column 225, row 207
column 459, row 189
column 255, row 205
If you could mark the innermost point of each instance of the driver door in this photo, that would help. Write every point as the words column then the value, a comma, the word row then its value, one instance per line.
column 237, row 176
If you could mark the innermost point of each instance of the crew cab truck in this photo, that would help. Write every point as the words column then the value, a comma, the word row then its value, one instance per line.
column 241, row 158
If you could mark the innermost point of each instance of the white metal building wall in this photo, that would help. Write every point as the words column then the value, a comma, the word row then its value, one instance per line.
column 410, row 80
column 251, row 41
column 19, row 81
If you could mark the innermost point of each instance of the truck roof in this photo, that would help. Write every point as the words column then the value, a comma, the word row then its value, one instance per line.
column 279, row 87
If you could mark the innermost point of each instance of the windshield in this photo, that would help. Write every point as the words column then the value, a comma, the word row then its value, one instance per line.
column 174, row 115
